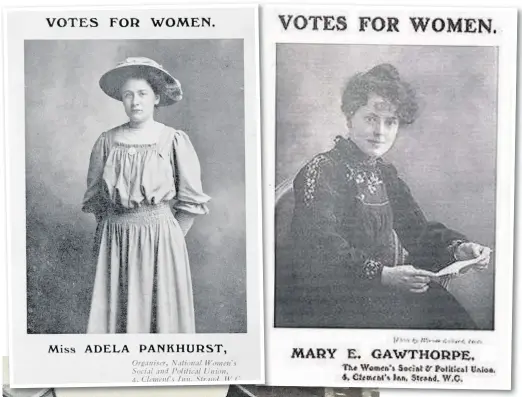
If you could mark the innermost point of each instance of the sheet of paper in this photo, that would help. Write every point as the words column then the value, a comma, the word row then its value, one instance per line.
column 460, row 267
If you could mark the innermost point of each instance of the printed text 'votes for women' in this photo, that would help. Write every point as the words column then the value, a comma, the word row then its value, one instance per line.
column 130, row 22
column 387, row 24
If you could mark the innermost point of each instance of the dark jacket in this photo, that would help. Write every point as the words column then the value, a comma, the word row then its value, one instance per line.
column 346, row 209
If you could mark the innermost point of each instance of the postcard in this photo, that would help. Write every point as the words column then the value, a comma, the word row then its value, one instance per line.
column 389, row 152
column 135, row 253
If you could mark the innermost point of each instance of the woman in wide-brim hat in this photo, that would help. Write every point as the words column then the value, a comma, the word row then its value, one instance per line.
column 144, row 188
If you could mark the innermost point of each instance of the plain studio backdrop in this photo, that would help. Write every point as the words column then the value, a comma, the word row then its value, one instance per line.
column 447, row 156
column 66, row 111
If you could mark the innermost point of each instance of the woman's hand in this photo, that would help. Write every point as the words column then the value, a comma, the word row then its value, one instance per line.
column 469, row 250
column 406, row 278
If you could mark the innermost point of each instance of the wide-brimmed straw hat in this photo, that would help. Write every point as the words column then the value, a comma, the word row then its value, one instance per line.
column 112, row 81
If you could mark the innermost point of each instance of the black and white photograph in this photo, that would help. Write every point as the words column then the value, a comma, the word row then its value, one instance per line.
column 360, row 250
column 386, row 198
column 142, row 205
column 272, row 391
column 159, row 205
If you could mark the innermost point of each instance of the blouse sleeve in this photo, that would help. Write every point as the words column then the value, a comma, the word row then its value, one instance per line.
column 187, row 172
column 429, row 244
column 324, row 252
column 93, row 199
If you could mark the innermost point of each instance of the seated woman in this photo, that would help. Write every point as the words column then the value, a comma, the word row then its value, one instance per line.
column 353, row 218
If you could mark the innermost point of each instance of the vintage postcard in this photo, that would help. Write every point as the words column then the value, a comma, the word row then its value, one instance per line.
column 389, row 196
column 135, row 253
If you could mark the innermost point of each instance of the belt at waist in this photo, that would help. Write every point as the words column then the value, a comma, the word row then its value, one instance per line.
column 139, row 214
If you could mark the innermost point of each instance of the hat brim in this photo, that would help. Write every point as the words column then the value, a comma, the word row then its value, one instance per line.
column 112, row 81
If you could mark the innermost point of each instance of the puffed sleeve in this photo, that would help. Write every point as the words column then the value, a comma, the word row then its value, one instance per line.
column 327, row 255
column 187, row 172
column 93, row 200
column 429, row 244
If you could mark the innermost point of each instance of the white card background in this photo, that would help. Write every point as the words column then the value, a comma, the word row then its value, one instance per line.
column 30, row 352
column 495, row 346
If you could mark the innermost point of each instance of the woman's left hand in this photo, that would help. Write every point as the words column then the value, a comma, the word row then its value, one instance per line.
column 469, row 250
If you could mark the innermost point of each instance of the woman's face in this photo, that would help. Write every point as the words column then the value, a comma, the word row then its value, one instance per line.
column 138, row 100
column 373, row 127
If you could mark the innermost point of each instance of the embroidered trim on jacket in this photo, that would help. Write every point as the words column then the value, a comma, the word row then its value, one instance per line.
column 361, row 197
column 371, row 269
column 311, row 175
column 370, row 178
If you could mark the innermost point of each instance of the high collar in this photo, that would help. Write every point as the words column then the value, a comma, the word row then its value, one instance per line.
column 351, row 152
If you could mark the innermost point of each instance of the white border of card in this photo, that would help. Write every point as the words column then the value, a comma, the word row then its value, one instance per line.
column 493, row 348
column 31, row 364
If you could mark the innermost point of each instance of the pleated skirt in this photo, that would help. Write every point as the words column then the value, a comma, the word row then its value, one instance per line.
column 143, row 282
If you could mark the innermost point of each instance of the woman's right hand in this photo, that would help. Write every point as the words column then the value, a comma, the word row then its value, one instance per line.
column 406, row 278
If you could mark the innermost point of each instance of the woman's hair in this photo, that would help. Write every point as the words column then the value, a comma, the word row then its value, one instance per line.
column 383, row 80
column 155, row 80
